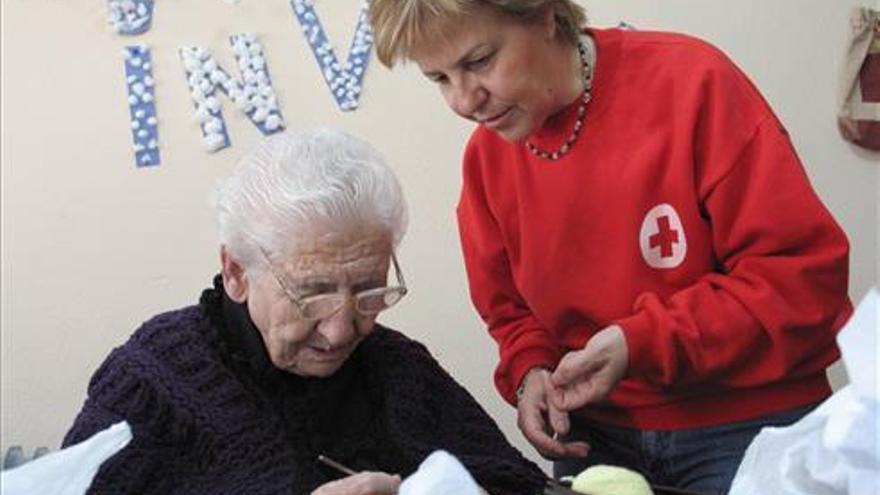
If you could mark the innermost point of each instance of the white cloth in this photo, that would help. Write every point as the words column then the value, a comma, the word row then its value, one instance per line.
column 69, row 471
column 440, row 474
column 836, row 448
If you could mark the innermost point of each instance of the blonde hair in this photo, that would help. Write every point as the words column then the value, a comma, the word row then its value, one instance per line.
column 400, row 26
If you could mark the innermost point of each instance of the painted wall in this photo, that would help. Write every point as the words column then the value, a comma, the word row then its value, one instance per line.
column 92, row 245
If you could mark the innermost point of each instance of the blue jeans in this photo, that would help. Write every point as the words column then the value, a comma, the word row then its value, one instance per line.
column 704, row 460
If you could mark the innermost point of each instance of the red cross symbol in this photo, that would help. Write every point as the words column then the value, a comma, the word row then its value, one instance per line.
column 664, row 238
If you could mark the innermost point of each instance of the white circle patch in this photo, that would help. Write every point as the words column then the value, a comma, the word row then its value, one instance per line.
column 662, row 238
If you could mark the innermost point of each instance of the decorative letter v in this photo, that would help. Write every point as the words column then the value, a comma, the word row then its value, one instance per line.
column 344, row 83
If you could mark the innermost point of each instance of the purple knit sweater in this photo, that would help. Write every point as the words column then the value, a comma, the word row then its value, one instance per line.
column 210, row 414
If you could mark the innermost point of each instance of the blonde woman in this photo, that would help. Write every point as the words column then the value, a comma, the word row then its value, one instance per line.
column 639, row 234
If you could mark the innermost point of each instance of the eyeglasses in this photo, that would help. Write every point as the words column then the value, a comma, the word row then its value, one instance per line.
column 369, row 302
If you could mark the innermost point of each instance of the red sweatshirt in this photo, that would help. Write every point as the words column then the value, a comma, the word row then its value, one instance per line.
column 682, row 214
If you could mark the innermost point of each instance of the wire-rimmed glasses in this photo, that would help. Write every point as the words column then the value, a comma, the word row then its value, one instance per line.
column 369, row 302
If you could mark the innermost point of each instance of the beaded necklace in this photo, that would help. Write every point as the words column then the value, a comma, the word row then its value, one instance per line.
column 581, row 112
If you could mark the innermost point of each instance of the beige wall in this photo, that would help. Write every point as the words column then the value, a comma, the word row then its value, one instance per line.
column 92, row 246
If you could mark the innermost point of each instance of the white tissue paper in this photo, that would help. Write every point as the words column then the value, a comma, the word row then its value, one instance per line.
column 69, row 471
column 440, row 474
column 836, row 448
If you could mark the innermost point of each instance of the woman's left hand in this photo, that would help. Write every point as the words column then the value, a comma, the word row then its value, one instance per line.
column 588, row 375
column 365, row 483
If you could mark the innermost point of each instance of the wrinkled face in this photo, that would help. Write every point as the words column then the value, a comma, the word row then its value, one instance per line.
column 504, row 73
column 330, row 262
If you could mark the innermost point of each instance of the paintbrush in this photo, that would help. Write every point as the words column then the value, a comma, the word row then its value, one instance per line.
column 336, row 465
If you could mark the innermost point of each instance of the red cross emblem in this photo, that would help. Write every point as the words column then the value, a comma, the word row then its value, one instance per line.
column 664, row 238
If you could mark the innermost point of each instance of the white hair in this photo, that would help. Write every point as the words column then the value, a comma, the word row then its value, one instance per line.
column 294, row 181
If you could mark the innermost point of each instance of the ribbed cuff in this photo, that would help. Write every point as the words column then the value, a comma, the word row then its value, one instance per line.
column 520, row 364
column 637, row 330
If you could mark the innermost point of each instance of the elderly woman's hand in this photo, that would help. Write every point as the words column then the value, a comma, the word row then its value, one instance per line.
column 365, row 483
column 540, row 421
column 588, row 375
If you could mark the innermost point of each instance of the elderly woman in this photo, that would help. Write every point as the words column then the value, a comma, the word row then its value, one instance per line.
column 639, row 235
column 282, row 360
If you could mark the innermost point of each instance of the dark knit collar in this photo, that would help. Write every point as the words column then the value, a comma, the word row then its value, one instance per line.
column 238, row 331
column 244, row 344
column 309, row 405
column 242, row 335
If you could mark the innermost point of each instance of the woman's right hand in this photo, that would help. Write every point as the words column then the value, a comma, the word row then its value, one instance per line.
column 364, row 483
column 541, row 422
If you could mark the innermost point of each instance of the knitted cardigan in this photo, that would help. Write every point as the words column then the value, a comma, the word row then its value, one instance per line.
column 210, row 414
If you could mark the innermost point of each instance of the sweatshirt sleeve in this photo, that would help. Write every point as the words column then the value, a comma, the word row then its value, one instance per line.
column 116, row 394
column 522, row 341
column 772, row 308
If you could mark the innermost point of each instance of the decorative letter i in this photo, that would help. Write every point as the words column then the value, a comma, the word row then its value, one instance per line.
column 144, row 128
column 129, row 18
